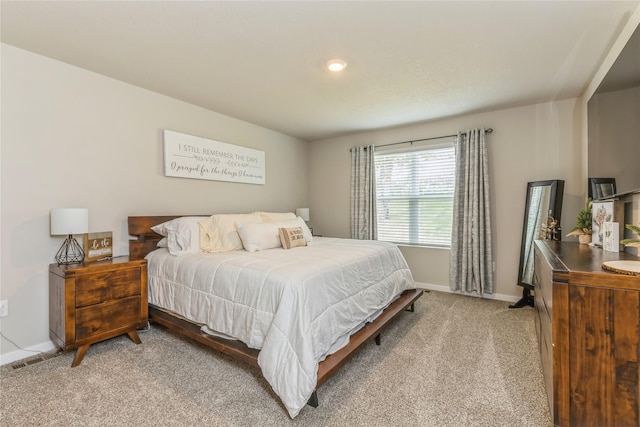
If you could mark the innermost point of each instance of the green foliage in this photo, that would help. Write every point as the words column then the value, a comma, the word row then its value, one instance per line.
column 583, row 220
column 632, row 242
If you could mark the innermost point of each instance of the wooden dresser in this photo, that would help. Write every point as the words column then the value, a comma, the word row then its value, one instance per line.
column 588, row 325
column 96, row 301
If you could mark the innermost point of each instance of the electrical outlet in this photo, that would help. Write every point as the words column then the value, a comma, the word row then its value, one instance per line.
column 4, row 308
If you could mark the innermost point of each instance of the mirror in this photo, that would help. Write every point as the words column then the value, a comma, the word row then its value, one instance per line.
column 543, row 201
column 613, row 126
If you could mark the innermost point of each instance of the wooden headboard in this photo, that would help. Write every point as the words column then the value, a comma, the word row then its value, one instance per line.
column 147, row 239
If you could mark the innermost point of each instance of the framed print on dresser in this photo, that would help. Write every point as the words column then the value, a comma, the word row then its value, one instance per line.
column 602, row 212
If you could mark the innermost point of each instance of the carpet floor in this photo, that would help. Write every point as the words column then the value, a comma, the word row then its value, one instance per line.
column 455, row 361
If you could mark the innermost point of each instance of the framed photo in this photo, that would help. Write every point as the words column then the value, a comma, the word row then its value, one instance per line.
column 602, row 188
column 602, row 212
column 98, row 246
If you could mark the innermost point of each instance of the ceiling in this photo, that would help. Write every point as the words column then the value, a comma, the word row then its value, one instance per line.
column 263, row 62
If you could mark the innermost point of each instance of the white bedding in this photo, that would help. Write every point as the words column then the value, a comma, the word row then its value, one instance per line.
column 292, row 304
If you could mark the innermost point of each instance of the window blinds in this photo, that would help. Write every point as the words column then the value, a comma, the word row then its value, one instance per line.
column 414, row 194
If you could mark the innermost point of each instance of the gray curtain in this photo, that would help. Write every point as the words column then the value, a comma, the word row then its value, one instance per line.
column 471, row 254
column 363, row 193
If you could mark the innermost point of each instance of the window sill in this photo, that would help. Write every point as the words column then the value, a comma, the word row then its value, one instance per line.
column 408, row 245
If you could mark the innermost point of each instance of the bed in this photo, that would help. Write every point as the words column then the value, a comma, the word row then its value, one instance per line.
column 298, row 315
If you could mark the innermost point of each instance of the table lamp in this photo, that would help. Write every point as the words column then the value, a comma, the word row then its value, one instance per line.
column 303, row 213
column 69, row 221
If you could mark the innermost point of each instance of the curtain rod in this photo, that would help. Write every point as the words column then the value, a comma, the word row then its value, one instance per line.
column 427, row 139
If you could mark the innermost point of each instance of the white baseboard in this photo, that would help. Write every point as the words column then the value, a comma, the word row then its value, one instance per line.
column 442, row 288
column 14, row 356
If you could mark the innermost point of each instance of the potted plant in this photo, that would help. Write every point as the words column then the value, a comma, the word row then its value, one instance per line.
column 632, row 242
column 583, row 224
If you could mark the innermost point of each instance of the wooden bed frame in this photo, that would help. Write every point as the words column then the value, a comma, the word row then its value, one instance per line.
column 140, row 226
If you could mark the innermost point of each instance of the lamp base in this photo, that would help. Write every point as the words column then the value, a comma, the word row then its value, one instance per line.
column 70, row 252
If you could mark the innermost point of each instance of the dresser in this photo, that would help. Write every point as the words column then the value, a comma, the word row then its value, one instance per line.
column 96, row 301
column 588, row 327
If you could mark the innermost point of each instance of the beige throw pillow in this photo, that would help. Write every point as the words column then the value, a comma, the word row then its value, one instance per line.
column 275, row 216
column 292, row 237
column 219, row 233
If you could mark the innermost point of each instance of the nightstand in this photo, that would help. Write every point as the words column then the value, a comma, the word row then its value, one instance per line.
column 92, row 302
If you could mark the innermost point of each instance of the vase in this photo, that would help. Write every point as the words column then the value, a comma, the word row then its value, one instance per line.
column 584, row 239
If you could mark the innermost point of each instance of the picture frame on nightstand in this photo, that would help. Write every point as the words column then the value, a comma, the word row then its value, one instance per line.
column 98, row 246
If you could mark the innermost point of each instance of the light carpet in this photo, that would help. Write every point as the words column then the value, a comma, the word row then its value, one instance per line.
column 455, row 361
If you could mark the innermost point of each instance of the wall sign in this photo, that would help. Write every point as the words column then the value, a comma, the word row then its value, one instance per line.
column 188, row 156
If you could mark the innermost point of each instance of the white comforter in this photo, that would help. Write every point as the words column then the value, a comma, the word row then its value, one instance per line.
column 291, row 304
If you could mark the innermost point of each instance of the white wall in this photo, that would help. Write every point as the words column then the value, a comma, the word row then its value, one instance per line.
column 532, row 143
column 73, row 138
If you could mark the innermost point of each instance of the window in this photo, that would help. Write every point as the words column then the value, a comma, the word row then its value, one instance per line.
column 414, row 195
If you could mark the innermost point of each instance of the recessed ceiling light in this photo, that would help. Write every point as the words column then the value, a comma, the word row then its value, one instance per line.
column 336, row 65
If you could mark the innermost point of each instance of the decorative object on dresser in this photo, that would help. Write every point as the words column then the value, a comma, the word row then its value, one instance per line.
column 98, row 246
column 602, row 212
column 601, row 188
column 583, row 224
column 632, row 242
column 588, row 327
column 69, row 221
column 611, row 236
column 623, row 267
column 550, row 229
column 93, row 302
column 543, row 201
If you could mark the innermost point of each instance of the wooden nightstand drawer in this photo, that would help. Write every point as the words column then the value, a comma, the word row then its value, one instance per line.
column 106, row 317
column 109, row 285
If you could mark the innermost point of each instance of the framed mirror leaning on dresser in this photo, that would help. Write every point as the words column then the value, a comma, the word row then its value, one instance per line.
column 543, row 204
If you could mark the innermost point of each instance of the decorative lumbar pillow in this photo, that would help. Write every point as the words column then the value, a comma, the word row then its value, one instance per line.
column 182, row 234
column 219, row 233
column 292, row 237
column 266, row 235
column 276, row 216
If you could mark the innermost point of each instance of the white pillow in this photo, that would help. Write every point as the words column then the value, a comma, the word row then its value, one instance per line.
column 218, row 233
column 259, row 236
column 276, row 216
column 183, row 234
column 299, row 222
column 266, row 235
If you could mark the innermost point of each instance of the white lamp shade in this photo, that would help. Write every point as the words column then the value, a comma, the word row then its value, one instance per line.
column 69, row 221
column 303, row 213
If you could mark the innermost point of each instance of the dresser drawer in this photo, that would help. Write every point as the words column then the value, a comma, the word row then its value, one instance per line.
column 108, row 316
column 106, row 286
